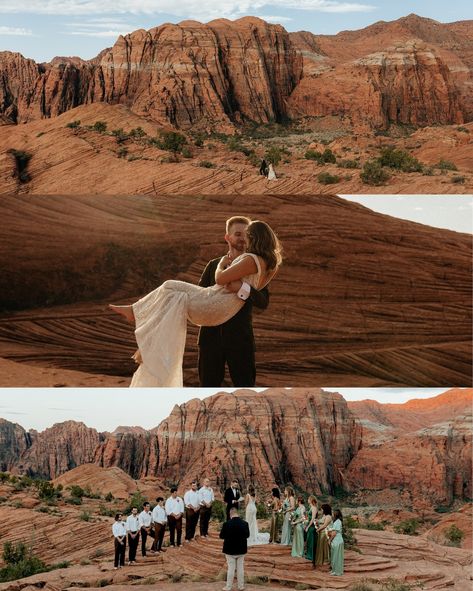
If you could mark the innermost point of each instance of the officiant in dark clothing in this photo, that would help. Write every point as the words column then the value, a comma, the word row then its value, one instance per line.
column 235, row 533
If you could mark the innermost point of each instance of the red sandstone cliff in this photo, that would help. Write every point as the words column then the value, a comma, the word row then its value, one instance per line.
column 307, row 437
column 410, row 71
column 175, row 74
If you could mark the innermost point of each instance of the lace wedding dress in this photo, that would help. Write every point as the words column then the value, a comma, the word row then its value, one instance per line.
column 161, row 324
column 250, row 516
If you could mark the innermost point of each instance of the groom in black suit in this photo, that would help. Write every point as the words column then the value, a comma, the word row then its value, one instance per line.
column 232, row 497
column 233, row 342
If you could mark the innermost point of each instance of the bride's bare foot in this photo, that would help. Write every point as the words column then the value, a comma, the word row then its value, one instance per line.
column 125, row 311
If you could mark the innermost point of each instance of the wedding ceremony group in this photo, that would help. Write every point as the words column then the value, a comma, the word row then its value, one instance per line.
column 314, row 532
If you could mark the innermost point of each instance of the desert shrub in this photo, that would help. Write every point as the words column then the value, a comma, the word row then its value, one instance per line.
column 374, row 174
column 325, row 178
column 136, row 500
column 109, row 497
column 90, row 494
column 274, row 154
column 463, row 129
column 371, row 525
column 325, row 157
column 458, row 180
column 172, row 141
column 137, row 132
column 47, row 490
column 122, row 152
column 4, row 477
column 120, row 135
column 454, row 534
column 446, row 165
column 22, row 160
column 17, row 505
column 105, row 511
column 103, row 582
column 253, row 159
column 19, row 562
column 234, row 144
column 76, row 491
column 186, row 152
column 349, row 537
column 100, row 126
column 85, row 516
column 171, row 158
column 262, row 511
column 62, row 564
column 199, row 139
column 74, row 501
column 408, row 527
column 428, row 171
column 399, row 160
column 73, row 124
column 207, row 164
column 348, row 164
column 219, row 511
column 98, row 553
column 442, row 509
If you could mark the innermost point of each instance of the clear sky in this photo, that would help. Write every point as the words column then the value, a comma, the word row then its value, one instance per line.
column 106, row 409
column 453, row 212
column 42, row 29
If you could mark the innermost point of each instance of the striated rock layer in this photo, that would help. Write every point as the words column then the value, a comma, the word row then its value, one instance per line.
column 307, row 437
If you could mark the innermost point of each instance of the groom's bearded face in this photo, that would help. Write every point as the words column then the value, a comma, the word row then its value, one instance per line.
column 236, row 237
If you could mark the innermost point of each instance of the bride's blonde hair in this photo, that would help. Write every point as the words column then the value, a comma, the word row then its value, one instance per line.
column 263, row 241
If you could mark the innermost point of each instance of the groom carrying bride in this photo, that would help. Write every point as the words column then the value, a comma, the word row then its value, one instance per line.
column 231, row 343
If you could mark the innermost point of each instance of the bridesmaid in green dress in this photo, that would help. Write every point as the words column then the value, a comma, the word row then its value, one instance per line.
column 298, row 519
column 275, row 506
column 310, row 529
column 288, row 506
column 337, row 546
column 322, row 552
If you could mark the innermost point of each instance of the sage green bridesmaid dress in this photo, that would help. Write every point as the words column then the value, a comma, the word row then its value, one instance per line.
column 298, row 536
column 286, row 537
column 337, row 549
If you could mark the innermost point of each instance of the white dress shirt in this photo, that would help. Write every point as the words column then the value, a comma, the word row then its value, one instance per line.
column 132, row 523
column 206, row 495
column 159, row 515
column 145, row 518
column 174, row 506
column 119, row 529
column 192, row 498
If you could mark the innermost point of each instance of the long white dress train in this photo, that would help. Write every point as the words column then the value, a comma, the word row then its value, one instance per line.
column 161, row 324
column 250, row 516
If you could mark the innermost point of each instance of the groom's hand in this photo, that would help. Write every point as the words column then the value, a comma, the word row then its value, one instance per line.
column 233, row 286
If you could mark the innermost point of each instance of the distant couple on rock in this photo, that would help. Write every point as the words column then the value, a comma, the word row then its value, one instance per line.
column 221, row 304
column 267, row 170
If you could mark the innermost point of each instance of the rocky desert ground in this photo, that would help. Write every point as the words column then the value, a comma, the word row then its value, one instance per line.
column 405, row 531
column 362, row 298
column 323, row 108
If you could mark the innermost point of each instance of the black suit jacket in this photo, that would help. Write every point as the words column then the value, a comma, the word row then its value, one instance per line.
column 229, row 497
column 238, row 331
column 235, row 534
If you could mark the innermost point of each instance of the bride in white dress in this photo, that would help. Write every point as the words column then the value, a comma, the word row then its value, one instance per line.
column 250, row 517
column 161, row 316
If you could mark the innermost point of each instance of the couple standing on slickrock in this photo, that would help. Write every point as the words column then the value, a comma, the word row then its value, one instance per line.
column 221, row 305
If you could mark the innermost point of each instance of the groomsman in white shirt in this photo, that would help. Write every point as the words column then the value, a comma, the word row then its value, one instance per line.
column 159, row 526
column 192, row 503
column 119, row 534
column 145, row 519
column 133, row 529
column 206, row 497
column 174, row 510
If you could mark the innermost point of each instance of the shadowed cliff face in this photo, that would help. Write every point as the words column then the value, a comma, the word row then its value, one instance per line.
column 176, row 74
column 306, row 437
column 410, row 71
